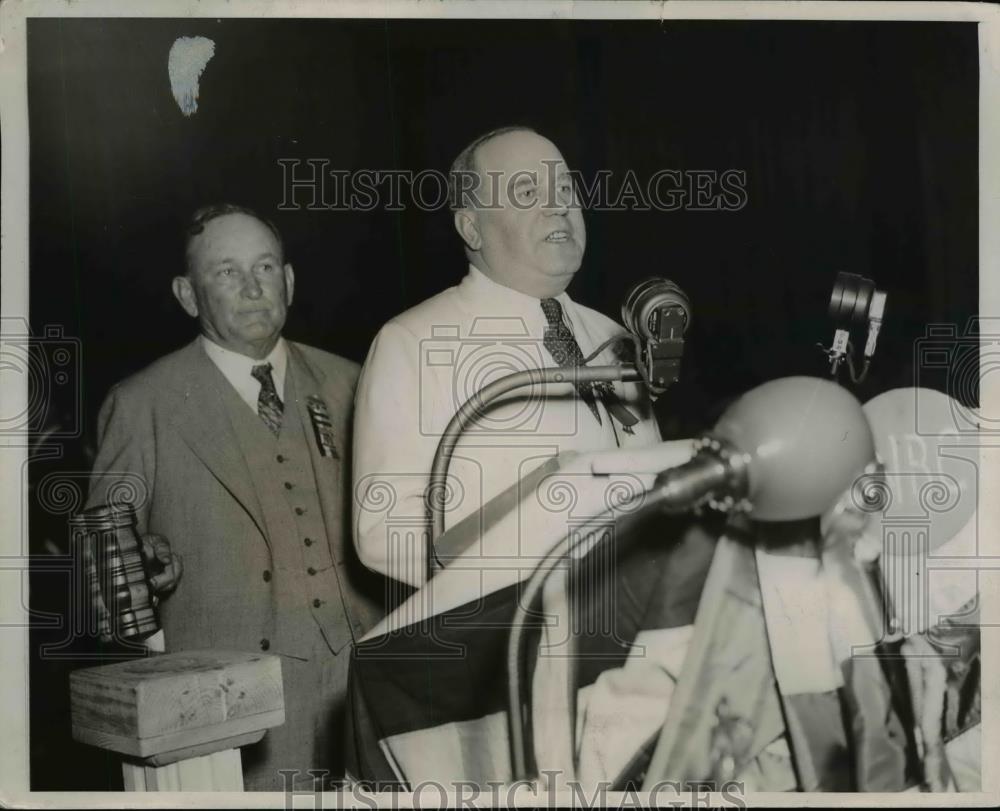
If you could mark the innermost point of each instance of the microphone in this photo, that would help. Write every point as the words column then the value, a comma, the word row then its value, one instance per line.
column 855, row 304
column 658, row 313
column 784, row 451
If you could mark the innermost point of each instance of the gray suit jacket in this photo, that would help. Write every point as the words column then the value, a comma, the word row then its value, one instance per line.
column 165, row 435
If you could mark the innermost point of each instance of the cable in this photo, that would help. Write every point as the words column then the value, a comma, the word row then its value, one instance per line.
column 614, row 339
column 856, row 378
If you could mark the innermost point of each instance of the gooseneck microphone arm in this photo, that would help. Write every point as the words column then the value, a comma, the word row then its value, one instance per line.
column 612, row 525
column 473, row 408
column 784, row 451
column 656, row 314
column 717, row 468
column 717, row 474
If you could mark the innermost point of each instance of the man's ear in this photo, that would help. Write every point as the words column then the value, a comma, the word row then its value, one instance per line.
column 468, row 229
column 289, row 283
column 184, row 293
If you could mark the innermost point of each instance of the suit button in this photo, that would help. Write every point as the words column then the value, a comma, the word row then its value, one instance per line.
column 280, row 458
column 265, row 644
column 308, row 541
column 317, row 602
column 299, row 511
column 311, row 570
column 288, row 485
column 267, row 576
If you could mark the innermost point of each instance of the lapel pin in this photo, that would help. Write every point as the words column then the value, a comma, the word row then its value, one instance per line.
column 322, row 426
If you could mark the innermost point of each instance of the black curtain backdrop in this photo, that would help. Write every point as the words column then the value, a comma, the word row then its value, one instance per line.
column 859, row 143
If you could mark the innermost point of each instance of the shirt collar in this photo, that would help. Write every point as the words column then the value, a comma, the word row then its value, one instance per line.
column 479, row 284
column 237, row 368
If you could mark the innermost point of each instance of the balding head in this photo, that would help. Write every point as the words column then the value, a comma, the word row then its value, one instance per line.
column 522, row 226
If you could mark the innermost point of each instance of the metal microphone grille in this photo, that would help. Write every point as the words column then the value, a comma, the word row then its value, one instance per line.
column 645, row 301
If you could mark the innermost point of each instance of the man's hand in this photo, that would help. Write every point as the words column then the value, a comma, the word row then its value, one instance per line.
column 163, row 567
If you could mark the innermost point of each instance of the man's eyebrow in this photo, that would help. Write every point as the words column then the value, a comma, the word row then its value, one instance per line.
column 230, row 260
column 525, row 179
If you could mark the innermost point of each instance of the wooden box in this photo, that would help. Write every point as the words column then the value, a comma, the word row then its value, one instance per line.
column 177, row 705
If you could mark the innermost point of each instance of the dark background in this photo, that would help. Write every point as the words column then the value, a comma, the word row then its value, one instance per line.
column 859, row 142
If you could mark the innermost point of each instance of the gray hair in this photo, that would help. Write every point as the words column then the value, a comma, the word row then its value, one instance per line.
column 204, row 215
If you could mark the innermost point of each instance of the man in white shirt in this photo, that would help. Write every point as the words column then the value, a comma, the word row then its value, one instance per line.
column 524, row 237
column 235, row 450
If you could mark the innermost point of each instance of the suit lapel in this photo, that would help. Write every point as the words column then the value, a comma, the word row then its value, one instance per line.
column 202, row 422
column 308, row 383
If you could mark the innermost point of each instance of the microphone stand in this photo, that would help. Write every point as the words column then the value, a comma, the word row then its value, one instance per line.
column 607, row 527
column 656, row 314
column 473, row 408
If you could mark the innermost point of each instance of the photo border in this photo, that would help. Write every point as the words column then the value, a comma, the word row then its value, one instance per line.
column 14, row 252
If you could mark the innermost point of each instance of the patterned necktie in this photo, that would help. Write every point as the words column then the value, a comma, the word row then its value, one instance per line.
column 565, row 351
column 269, row 406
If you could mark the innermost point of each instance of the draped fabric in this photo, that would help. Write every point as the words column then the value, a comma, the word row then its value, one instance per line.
column 429, row 701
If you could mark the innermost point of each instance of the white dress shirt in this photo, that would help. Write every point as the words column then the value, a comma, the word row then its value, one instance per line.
column 237, row 369
column 422, row 366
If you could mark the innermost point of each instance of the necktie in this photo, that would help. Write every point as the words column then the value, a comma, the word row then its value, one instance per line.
column 269, row 406
column 565, row 351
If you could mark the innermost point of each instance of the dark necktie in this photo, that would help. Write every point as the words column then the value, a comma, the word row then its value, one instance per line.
column 565, row 351
column 269, row 406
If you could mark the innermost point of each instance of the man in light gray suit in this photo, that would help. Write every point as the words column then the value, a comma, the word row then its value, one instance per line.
column 242, row 439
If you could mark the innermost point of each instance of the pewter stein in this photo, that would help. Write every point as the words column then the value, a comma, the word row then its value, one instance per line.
column 108, row 556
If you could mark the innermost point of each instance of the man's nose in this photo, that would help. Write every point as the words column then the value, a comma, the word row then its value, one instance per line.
column 555, row 200
column 251, row 286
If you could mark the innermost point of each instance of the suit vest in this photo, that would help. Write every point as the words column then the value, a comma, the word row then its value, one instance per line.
column 303, row 578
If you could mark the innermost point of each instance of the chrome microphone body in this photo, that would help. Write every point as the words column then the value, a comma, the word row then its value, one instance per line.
column 715, row 476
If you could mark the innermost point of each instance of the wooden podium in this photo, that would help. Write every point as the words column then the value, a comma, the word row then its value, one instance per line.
column 179, row 719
